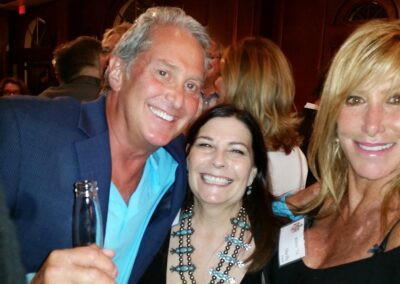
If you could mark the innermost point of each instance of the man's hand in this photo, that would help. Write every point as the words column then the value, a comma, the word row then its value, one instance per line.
column 78, row 265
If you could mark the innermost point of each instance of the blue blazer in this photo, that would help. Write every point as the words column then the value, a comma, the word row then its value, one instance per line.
column 45, row 147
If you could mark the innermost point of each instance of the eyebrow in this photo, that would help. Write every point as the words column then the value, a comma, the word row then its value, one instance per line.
column 230, row 143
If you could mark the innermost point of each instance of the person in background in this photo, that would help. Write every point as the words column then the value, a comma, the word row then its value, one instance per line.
column 227, row 222
column 128, row 141
column 209, row 92
column 308, row 117
column 78, row 70
column 256, row 76
column 43, row 82
column 110, row 39
column 353, row 233
column 11, row 86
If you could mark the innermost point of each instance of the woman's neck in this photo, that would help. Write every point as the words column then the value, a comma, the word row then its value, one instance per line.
column 214, row 217
column 364, row 194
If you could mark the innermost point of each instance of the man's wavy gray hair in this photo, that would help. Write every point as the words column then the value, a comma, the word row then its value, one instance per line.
column 138, row 38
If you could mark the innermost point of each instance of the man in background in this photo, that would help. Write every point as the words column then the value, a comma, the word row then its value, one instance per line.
column 78, row 70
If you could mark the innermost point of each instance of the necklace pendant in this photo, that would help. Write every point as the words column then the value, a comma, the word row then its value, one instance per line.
column 183, row 232
column 242, row 224
column 230, row 259
column 186, row 214
column 222, row 276
column 237, row 242
column 183, row 268
column 181, row 250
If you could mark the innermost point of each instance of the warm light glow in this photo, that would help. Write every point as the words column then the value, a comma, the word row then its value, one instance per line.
column 21, row 7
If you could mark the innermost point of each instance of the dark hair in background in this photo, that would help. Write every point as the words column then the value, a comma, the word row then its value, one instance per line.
column 71, row 57
column 22, row 86
column 264, row 225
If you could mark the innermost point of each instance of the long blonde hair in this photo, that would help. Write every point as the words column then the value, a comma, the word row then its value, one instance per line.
column 370, row 54
column 258, row 78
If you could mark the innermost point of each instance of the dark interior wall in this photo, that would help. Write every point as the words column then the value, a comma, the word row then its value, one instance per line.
column 20, row 58
column 4, row 43
column 89, row 17
column 299, row 31
column 227, row 21
column 308, row 31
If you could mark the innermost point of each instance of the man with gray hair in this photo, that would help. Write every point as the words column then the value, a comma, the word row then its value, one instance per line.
column 129, row 141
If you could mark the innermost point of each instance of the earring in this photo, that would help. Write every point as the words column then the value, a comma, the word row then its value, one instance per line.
column 249, row 190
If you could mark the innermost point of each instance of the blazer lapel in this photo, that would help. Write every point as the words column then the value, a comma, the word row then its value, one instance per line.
column 162, row 218
column 94, row 152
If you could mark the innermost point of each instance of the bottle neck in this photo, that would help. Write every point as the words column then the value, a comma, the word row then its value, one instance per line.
column 86, row 188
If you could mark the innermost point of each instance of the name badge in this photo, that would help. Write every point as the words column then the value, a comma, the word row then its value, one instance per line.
column 291, row 242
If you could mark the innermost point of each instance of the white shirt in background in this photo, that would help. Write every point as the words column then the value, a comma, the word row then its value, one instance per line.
column 288, row 173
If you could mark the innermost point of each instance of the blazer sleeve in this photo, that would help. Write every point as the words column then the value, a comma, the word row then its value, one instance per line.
column 10, row 152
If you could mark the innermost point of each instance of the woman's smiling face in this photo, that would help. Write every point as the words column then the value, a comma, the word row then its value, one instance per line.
column 369, row 130
column 220, row 162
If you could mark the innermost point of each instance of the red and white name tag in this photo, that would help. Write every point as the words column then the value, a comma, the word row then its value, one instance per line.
column 291, row 242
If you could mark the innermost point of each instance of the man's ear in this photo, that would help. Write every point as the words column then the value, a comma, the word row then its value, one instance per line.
column 115, row 73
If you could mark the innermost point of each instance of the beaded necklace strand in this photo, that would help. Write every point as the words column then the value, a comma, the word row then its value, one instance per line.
column 225, row 259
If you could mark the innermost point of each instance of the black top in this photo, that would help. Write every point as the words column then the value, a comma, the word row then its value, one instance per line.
column 157, row 271
column 382, row 267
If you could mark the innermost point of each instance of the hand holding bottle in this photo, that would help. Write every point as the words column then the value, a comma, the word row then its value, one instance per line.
column 88, row 264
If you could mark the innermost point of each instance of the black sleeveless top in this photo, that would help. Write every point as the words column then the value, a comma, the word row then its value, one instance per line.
column 157, row 271
column 383, row 267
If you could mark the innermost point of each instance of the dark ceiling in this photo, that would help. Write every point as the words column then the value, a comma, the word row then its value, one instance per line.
column 13, row 4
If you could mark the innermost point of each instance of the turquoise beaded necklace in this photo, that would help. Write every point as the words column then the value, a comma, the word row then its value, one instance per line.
column 226, row 259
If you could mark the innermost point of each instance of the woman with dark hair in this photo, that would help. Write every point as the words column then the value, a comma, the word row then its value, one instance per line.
column 226, row 230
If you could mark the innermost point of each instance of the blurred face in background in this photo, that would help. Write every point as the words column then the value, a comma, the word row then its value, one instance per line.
column 11, row 89
column 215, row 57
column 107, row 46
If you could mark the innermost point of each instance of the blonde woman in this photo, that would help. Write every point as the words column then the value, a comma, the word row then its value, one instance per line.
column 355, row 154
column 256, row 76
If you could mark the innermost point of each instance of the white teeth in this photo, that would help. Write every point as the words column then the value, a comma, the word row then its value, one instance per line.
column 376, row 148
column 161, row 114
column 216, row 180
